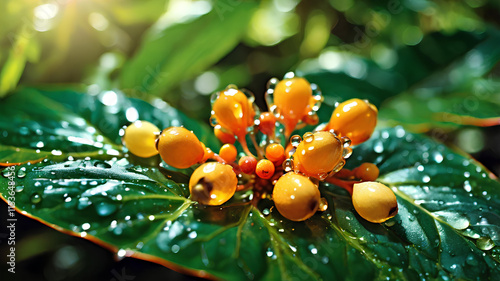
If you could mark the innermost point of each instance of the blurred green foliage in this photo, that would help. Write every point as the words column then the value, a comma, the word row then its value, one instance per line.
column 184, row 50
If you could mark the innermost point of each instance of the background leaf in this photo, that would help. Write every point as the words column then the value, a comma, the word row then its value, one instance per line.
column 178, row 51
column 449, row 210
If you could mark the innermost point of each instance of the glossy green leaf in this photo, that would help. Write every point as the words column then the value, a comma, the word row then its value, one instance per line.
column 447, row 226
column 173, row 52
column 58, row 124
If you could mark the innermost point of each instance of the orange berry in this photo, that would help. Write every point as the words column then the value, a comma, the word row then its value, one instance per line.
column 355, row 119
column 275, row 152
column 228, row 152
column 247, row 164
column 213, row 183
column 233, row 111
column 296, row 197
column 366, row 172
column 293, row 100
column 180, row 148
column 223, row 136
column 265, row 169
column 375, row 202
column 318, row 155
column 267, row 123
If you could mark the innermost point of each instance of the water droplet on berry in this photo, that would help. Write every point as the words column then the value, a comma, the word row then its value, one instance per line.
column 308, row 137
column 288, row 165
column 323, row 204
column 323, row 176
column 346, row 142
column 347, row 152
column 485, row 243
column 295, row 140
column 36, row 198
column 339, row 166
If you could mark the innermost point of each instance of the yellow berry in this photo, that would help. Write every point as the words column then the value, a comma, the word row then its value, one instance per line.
column 140, row 138
column 265, row 169
column 275, row 152
column 374, row 201
column 355, row 119
column 293, row 100
column 233, row 111
column 228, row 152
column 180, row 148
column 318, row 155
column 366, row 172
column 296, row 197
column 223, row 136
column 213, row 183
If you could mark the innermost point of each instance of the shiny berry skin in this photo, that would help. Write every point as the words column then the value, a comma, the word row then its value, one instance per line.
column 293, row 100
column 180, row 148
column 366, row 172
column 296, row 197
column 247, row 164
column 228, row 152
column 275, row 152
column 267, row 123
column 318, row 154
column 265, row 169
column 374, row 201
column 213, row 183
column 223, row 136
column 140, row 138
column 233, row 111
column 355, row 119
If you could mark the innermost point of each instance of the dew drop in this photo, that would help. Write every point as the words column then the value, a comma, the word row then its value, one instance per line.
column 36, row 198
column 19, row 188
column 339, row 166
column 175, row 249
column 308, row 137
column 323, row 204
column 105, row 208
column 346, row 142
column 471, row 260
column 288, row 165
column 426, row 179
column 378, row 147
column 7, row 173
column 21, row 173
column 346, row 152
column 101, row 164
column 266, row 212
column 485, row 243
column 295, row 140
column 467, row 186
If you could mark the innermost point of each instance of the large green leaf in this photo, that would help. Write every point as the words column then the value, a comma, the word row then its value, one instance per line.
column 174, row 52
column 57, row 124
column 447, row 226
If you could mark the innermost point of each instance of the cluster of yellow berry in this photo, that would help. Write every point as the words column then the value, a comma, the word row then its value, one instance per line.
column 287, row 168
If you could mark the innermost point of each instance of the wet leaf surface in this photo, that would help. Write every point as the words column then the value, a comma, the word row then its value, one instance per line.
column 449, row 217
